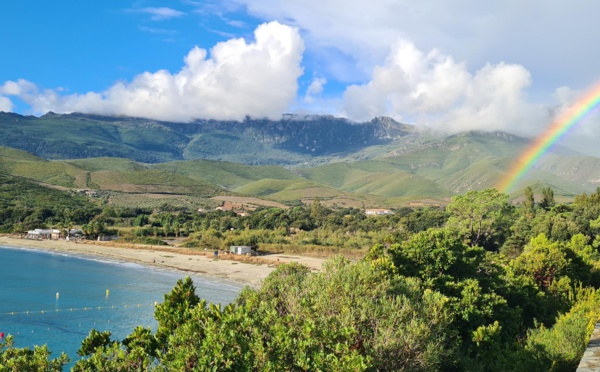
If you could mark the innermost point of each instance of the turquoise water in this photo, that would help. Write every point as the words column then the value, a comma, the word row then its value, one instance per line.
column 31, row 311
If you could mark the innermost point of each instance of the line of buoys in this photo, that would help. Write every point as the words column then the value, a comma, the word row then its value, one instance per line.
column 32, row 312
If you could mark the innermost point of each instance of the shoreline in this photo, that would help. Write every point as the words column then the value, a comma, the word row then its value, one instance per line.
column 243, row 270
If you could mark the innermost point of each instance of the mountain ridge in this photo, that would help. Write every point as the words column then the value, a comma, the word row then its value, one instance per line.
column 290, row 141
column 294, row 158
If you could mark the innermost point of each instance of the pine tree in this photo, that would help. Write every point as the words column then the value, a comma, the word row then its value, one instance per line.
column 529, row 202
column 547, row 201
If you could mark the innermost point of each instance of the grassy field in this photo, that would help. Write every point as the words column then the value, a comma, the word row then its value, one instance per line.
column 155, row 201
column 226, row 174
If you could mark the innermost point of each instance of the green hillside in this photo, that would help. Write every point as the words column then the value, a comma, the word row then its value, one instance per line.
column 149, row 180
column 74, row 136
column 114, row 174
column 23, row 164
column 476, row 160
column 105, row 163
column 374, row 178
column 226, row 174
column 20, row 192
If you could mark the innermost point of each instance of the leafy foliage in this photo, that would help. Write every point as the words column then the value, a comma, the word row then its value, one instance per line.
column 347, row 317
column 482, row 217
column 14, row 359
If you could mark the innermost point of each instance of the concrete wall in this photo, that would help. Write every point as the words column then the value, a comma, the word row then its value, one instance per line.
column 591, row 356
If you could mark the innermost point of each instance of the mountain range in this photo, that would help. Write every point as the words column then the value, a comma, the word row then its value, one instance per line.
column 376, row 163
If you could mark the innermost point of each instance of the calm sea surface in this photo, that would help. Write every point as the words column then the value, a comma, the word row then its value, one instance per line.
column 31, row 310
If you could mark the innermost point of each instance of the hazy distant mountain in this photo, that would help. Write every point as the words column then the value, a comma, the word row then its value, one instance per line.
column 378, row 162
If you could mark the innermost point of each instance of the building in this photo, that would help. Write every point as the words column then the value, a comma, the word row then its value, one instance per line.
column 76, row 233
column 240, row 249
column 378, row 212
column 39, row 234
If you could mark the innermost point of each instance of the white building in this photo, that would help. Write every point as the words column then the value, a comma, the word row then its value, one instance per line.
column 378, row 212
column 39, row 234
column 240, row 249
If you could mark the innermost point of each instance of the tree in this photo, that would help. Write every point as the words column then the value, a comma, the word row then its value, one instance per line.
column 547, row 201
column 465, row 274
column 93, row 341
column 529, row 202
column 317, row 212
column 140, row 220
column 14, row 359
column 137, row 352
column 553, row 265
column 174, row 311
column 482, row 217
column 176, row 228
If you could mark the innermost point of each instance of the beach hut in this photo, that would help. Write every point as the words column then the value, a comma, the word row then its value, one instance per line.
column 55, row 235
column 240, row 249
column 39, row 234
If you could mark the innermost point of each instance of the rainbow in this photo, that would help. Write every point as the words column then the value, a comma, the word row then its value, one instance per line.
column 542, row 144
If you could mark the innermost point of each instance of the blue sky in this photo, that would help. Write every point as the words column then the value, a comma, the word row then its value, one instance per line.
column 89, row 45
column 452, row 65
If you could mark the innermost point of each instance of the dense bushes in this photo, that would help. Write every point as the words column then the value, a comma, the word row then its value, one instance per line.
column 347, row 317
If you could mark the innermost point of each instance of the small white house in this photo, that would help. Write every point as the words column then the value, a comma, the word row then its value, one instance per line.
column 378, row 212
column 240, row 249
column 39, row 234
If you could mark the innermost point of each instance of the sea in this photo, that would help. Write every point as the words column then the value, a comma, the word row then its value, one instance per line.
column 56, row 299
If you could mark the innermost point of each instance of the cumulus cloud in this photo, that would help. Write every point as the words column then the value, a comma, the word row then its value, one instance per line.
column 258, row 79
column 315, row 88
column 17, row 88
column 470, row 30
column 6, row 104
column 434, row 89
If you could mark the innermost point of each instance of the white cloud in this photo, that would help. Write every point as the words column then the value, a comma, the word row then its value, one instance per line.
column 315, row 88
column 5, row 104
column 551, row 38
column 161, row 13
column 159, row 31
column 258, row 79
column 16, row 88
column 235, row 23
column 436, row 90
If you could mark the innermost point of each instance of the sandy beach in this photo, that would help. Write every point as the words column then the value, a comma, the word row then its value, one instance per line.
column 244, row 270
